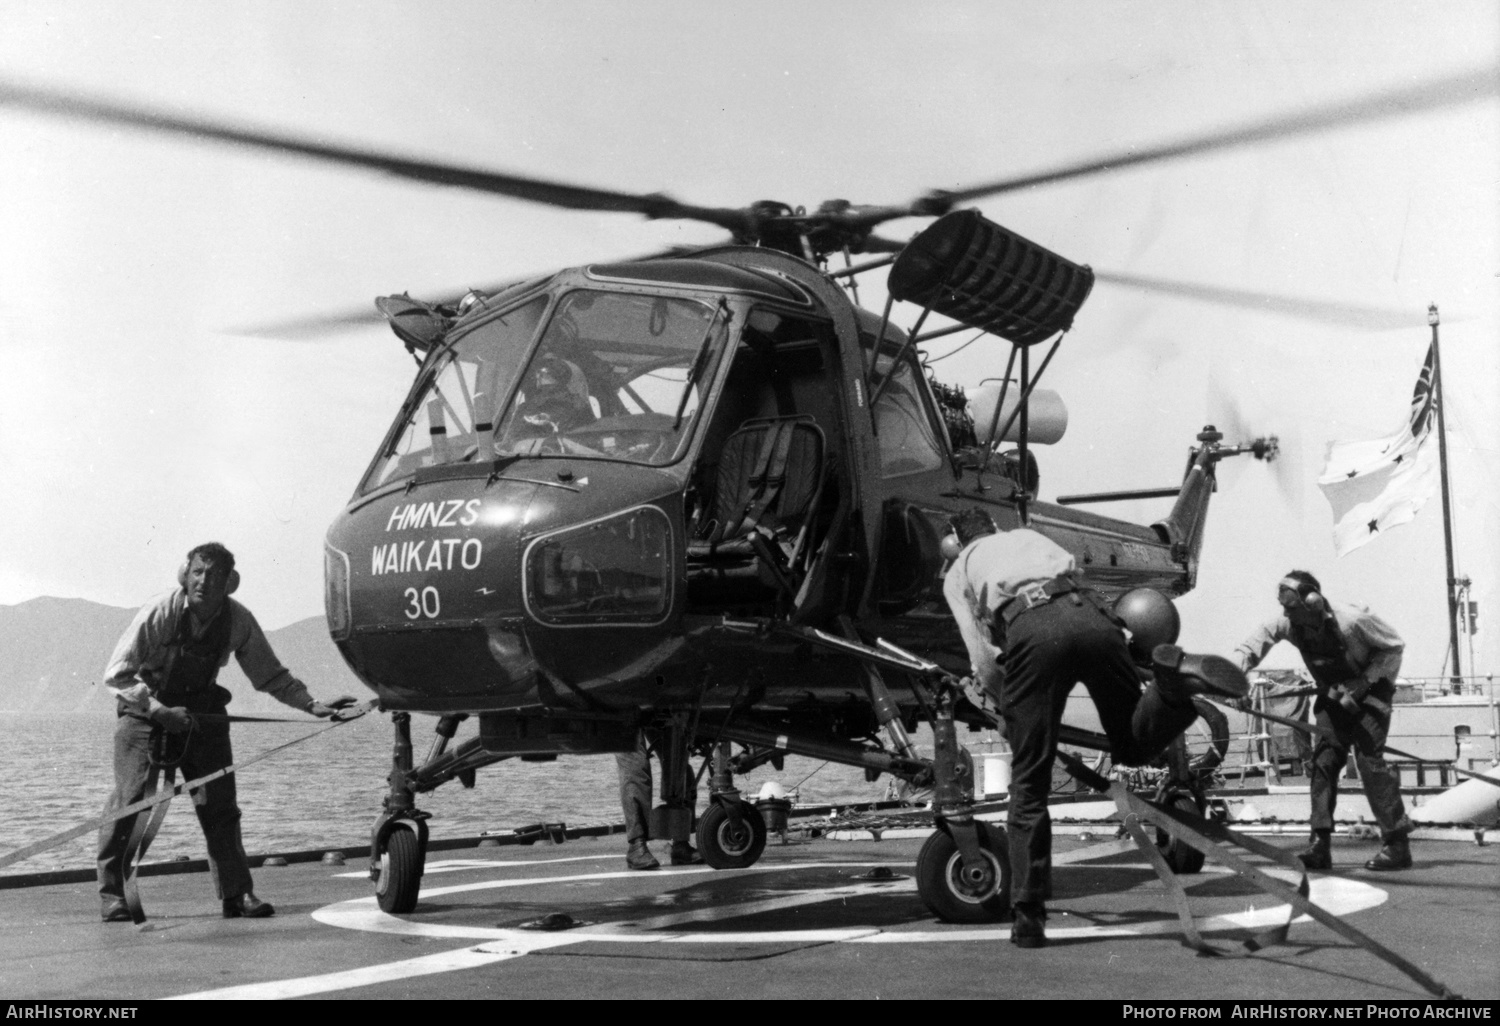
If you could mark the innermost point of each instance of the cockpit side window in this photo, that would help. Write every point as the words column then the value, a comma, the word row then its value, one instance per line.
column 906, row 431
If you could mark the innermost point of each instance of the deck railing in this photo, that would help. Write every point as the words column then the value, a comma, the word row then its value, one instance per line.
column 1475, row 744
column 1478, row 685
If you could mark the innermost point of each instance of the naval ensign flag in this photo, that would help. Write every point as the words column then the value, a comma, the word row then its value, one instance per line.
column 1375, row 485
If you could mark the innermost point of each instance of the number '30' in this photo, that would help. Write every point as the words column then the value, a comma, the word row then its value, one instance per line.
column 423, row 605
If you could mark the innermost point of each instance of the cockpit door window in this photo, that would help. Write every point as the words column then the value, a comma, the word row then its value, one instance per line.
column 906, row 432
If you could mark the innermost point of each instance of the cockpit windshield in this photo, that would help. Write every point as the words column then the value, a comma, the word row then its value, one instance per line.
column 615, row 376
column 452, row 416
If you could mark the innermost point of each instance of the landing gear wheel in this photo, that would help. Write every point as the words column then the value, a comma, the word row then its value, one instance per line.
column 1181, row 856
column 725, row 846
column 946, row 891
column 400, row 873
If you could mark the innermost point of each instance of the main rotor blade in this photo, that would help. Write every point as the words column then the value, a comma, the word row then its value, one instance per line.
column 880, row 244
column 316, row 325
column 557, row 194
column 1347, row 315
column 1433, row 95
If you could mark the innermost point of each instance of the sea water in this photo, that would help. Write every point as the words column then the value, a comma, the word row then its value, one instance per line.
column 325, row 792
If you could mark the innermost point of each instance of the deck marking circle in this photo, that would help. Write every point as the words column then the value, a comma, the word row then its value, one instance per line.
column 458, row 865
column 1337, row 895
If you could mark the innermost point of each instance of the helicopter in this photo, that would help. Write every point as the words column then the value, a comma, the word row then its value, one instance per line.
column 705, row 493
column 709, row 493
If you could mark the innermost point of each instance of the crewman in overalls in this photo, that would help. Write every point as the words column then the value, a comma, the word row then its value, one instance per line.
column 1033, row 631
column 634, row 770
column 1353, row 656
column 164, row 673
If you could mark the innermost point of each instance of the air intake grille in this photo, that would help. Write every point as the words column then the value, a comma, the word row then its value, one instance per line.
column 985, row 276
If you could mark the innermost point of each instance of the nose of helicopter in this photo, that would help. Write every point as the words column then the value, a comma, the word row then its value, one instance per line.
column 454, row 594
column 423, row 592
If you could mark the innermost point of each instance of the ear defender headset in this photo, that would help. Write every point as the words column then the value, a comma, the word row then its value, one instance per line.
column 182, row 571
column 1306, row 593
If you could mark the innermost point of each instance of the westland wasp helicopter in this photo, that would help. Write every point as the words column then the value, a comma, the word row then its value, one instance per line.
column 706, row 493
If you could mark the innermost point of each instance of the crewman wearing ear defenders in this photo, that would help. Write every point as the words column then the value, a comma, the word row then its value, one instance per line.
column 1353, row 656
column 164, row 674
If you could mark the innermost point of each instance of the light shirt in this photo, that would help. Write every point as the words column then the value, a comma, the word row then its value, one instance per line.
column 1373, row 646
column 145, row 651
column 989, row 572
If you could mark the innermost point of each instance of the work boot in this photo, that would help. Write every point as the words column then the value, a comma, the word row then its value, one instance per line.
column 1318, row 854
column 1394, row 854
column 114, row 910
column 684, row 854
column 1183, row 675
column 639, row 857
column 247, row 906
column 1027, row 931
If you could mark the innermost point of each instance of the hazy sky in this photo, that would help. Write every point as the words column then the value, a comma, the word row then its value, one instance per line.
column 134, row 423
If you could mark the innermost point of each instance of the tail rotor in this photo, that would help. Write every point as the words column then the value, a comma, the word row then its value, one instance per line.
column 1281, row 451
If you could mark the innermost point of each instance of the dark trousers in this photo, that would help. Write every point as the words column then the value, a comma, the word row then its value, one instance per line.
column 218, row 811
column 1047, row 651
column 634, row 769
column 1366, row 734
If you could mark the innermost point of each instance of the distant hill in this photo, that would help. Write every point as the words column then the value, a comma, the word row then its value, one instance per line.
column 53, row 652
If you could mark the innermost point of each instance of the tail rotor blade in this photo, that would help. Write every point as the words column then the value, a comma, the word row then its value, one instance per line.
column 1224, row 413
column 1285, row 466
column 1290, row 466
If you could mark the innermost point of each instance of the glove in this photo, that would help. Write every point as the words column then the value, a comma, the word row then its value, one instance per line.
column 335, row 709
column 174, row 719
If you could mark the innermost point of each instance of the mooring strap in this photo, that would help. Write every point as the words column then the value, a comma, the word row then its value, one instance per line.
column 1169, row 880
column 1194, row 939
column 348, row 715
column 1202, row 835
column 142, row 834
column 1268, row 938
column 227, row 718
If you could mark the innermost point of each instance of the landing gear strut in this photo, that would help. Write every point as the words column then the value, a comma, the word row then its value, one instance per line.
column 963, row 871
column 731, row 832
column 398, row 841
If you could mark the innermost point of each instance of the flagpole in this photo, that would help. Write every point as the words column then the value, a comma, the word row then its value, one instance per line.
column 1437, row 391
